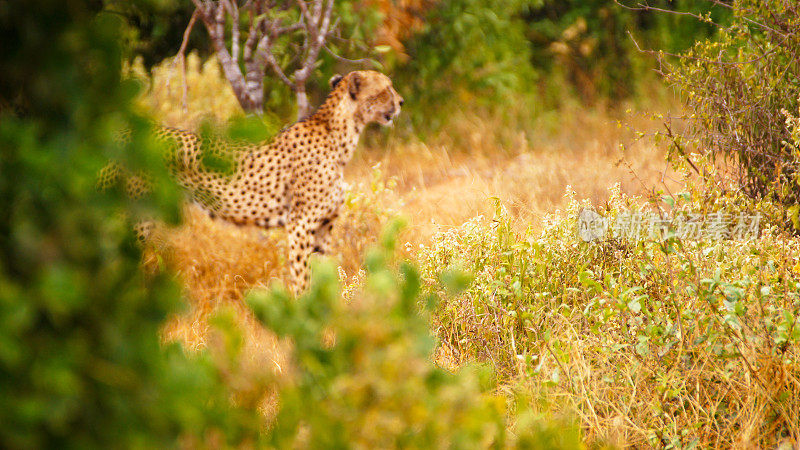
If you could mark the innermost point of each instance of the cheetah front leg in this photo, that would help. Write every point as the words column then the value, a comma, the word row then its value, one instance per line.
column 300, row 239
column 306, row 237
column 322, row 237
column 309, row 226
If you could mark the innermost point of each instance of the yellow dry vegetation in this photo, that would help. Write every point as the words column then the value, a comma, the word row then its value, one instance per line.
column 184, row 93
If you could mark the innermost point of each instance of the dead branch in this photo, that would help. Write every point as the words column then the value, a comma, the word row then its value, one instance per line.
column 181, row 57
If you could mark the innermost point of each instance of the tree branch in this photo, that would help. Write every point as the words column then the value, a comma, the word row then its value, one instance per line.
column 181, row 56
column 213, row 17
column 647, row 7
column 695, row 58
column 288, row 29
column 347, row 60
column 264, row 50
column 315, row 39
column 245, row 61
column 304, row 16
column 233, row 10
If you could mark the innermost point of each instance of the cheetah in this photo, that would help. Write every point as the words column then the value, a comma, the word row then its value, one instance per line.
column 296, row 180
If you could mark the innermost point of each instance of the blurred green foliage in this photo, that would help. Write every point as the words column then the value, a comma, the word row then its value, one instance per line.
column 468, row 52
column 591, row 44
column 521, row 56
column 81, row 364
column 154, row 29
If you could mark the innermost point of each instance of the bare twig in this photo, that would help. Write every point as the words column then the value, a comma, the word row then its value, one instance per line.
column 347, row 60
column 264, row 50
column 659, row 53
column 680, row 149
column 646, row 7
column 181, row 57
column 187, row 32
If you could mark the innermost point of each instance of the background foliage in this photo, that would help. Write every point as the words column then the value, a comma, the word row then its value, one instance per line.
column 592, row 44
column 517, row 55
column 81, row 362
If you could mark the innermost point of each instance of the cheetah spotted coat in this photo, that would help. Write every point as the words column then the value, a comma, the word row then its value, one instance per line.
column 294, row 181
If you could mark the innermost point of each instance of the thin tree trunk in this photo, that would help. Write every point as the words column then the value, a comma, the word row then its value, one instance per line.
column 214, row 19
column 303, row 108
column 254, row 86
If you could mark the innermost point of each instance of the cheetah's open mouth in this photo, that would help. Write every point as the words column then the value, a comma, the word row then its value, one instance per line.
column 388, row 118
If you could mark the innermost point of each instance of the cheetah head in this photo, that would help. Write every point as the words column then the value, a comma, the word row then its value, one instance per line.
column 371, row 95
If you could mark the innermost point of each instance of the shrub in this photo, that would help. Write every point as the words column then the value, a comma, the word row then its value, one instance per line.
column 511, row 60
column 466, row 52
column 81, row 364
column 652, row 343
column 736, row 87
column 589, row 43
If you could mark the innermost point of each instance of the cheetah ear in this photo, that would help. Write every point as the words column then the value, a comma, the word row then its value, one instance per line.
column 334, row 80
column 354, row 85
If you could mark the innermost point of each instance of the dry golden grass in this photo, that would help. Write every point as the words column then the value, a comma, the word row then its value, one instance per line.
column 177, row 93
column 445, row 184
column 217, row 264
column 633, row 401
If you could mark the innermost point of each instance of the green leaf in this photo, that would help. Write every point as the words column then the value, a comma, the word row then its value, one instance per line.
column 794, row 215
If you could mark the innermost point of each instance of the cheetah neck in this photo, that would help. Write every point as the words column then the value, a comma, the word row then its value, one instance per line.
column 344, row 124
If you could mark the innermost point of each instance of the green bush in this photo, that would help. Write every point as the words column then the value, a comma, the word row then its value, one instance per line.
column 81, row 364
column 511, row 60
column 468, row 52
column 591, row 43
